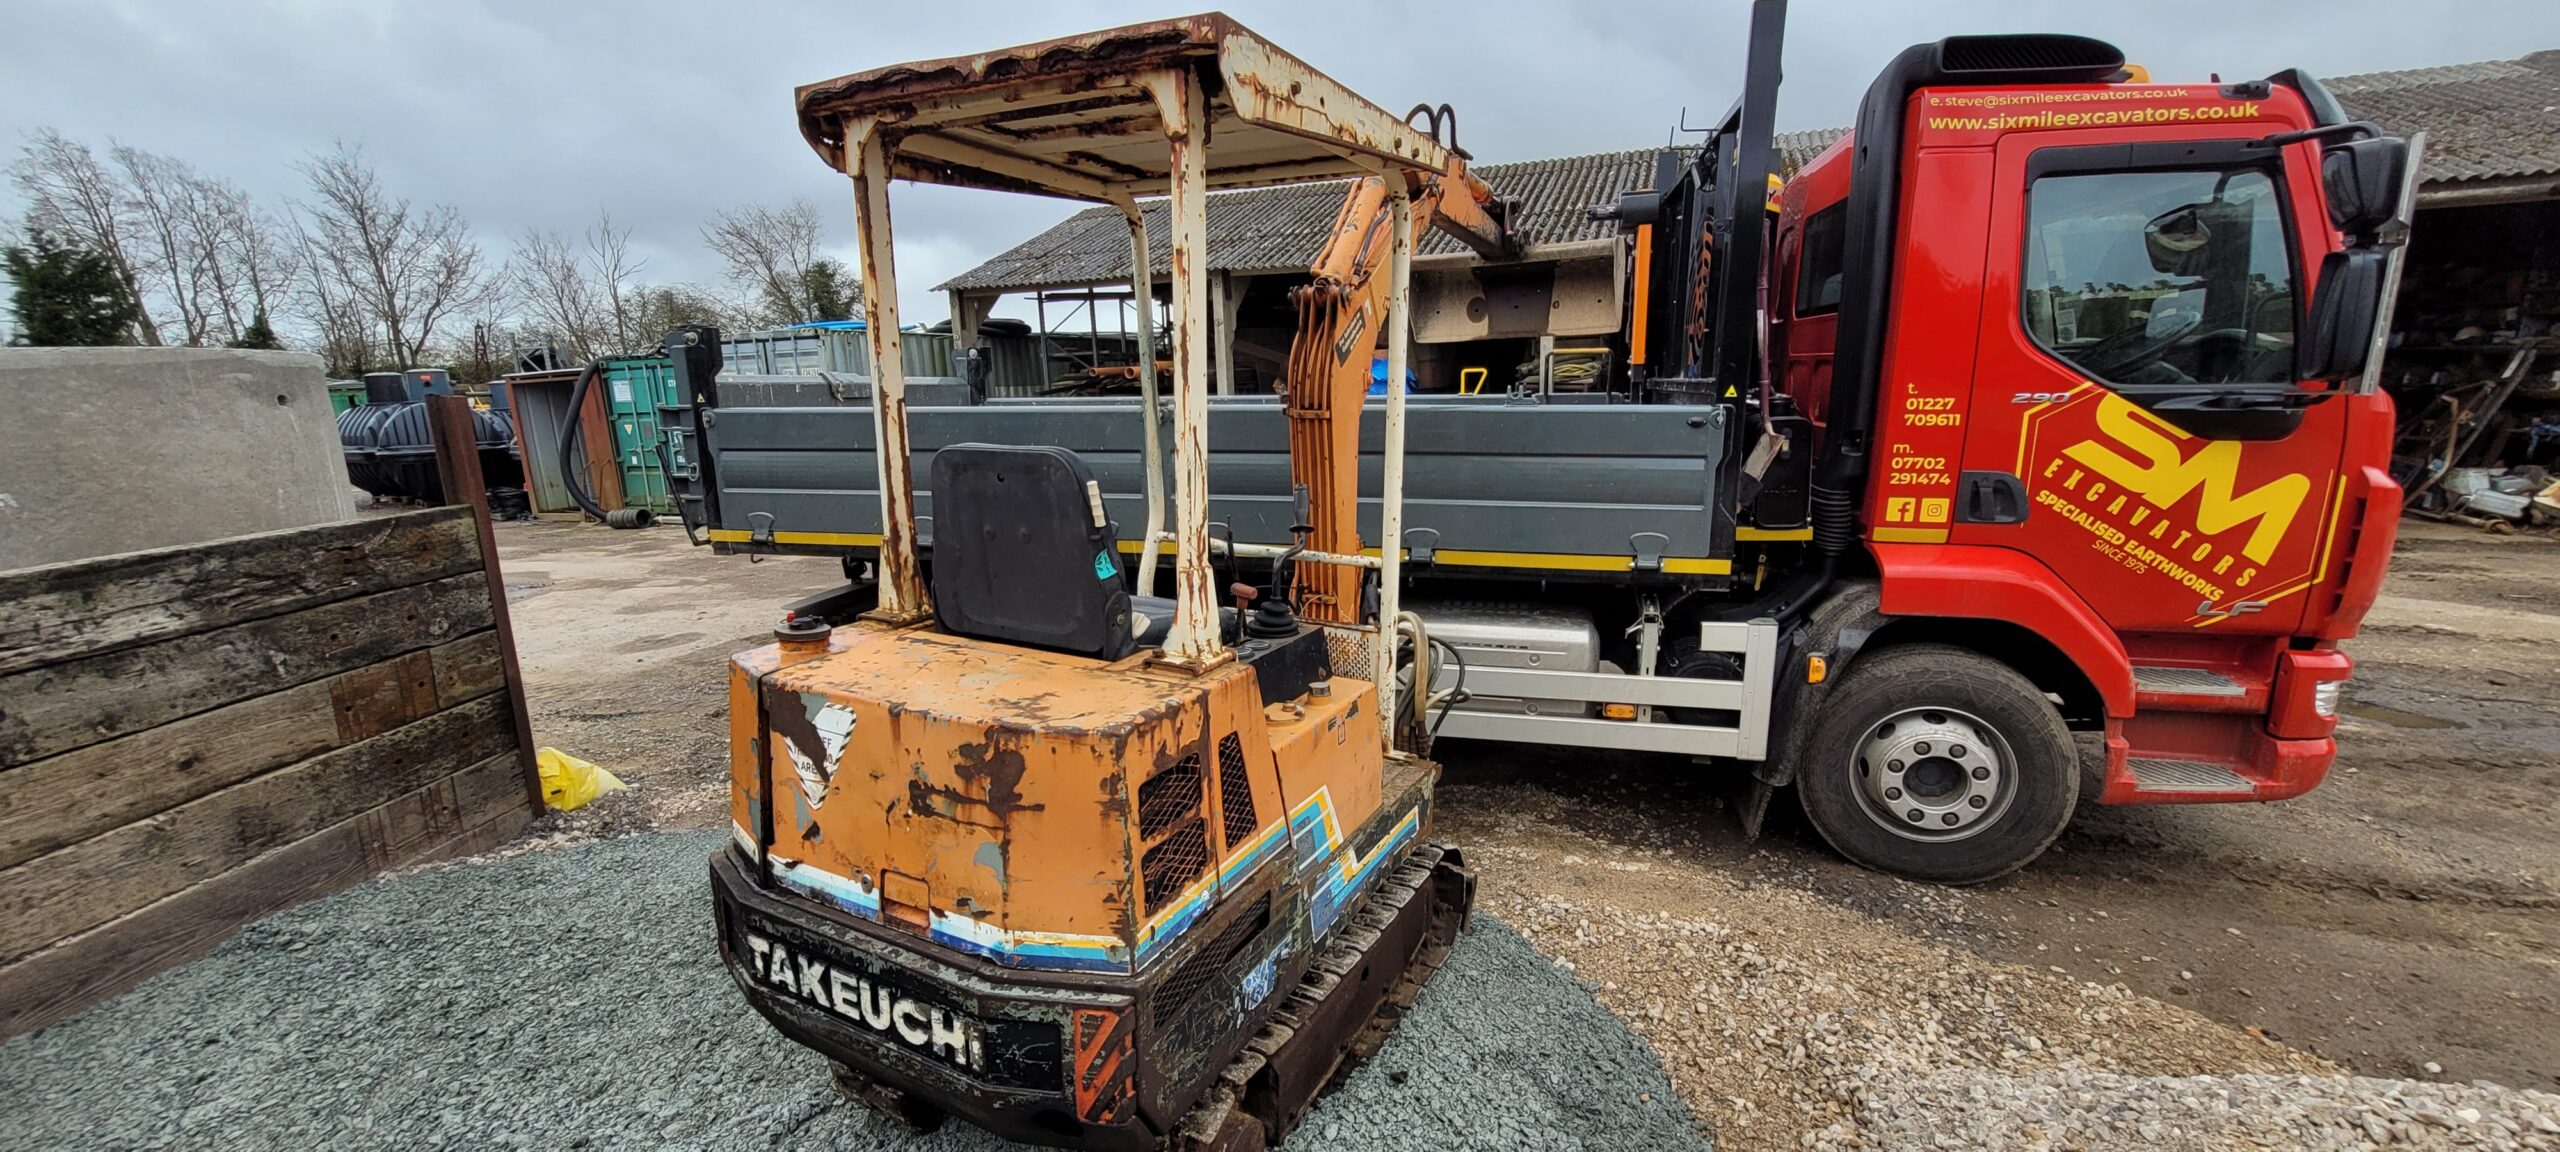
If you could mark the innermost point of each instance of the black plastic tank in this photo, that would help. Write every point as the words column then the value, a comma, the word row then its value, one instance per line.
column 391, row 452
column 425, row 382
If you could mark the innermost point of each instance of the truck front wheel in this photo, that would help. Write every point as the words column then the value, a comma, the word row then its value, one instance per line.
column 1938, row 764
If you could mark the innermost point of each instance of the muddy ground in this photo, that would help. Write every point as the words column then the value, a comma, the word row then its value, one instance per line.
column 2399, row 921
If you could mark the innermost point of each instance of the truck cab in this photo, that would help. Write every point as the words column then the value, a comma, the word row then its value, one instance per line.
column 2100, row 346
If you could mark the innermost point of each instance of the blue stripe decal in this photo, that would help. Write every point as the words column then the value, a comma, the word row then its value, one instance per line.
column 1313, row 827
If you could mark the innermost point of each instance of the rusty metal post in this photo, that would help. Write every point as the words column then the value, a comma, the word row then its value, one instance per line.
column 1391, row 473
column 1142, row 284
column 902, row 596
column 1193, row 641
column 449, row 428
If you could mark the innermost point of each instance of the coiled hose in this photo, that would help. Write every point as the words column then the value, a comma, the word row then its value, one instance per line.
column 572, row 438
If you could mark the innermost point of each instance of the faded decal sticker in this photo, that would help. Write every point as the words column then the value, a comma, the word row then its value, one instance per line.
column 834, row 723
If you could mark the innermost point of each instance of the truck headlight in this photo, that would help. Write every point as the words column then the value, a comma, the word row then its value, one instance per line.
column 2324, row 697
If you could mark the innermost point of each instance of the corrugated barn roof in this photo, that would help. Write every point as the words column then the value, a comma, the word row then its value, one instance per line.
column 1279, row 229
column 2487, row 121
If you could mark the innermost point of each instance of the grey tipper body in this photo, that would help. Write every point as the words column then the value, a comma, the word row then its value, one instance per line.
column 793, row 458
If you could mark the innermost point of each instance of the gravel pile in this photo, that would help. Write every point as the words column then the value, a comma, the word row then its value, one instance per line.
column 2101, row 1112
column 1792, row 1023
column 572, row 999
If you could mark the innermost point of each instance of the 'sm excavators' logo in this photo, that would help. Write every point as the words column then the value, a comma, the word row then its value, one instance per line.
column 2164, row 474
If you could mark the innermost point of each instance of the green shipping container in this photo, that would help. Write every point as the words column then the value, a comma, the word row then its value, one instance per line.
column 345, row 394
column 640, row 391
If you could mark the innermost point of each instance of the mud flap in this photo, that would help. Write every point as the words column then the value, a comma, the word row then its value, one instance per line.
column 1753, row 806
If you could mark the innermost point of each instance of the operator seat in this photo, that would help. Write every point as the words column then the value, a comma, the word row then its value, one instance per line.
column 1023, row 551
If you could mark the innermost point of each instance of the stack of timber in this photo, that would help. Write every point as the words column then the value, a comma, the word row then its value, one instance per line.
column 193, row 737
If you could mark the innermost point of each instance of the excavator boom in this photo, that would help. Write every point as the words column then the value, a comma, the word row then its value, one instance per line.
column 1341, row 317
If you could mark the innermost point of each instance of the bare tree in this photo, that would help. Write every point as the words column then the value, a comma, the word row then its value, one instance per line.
column 195, row 251
column 255, row 247
column 617, row 274
column 244, row 263
column 172, row 267
column 769, row 253
column 70, row 194
column 550, row 283
column 346, row 337
column 408, row 269
column 582, row 292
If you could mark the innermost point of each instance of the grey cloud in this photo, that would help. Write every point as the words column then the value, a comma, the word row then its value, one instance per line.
column 534, row 114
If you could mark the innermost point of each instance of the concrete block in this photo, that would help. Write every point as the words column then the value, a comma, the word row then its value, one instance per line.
column 106, row 450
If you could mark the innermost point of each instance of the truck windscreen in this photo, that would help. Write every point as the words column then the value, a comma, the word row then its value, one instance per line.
column 2162, row 277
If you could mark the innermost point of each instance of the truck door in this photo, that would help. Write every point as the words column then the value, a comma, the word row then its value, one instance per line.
column 2138, row 294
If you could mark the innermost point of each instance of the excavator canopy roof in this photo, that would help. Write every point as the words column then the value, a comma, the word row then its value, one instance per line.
column 1069, row 117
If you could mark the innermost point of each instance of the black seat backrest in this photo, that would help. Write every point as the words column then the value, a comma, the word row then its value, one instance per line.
column 1018, row 556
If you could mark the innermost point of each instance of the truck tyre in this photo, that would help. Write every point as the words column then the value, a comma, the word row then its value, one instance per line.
column 1938, row 764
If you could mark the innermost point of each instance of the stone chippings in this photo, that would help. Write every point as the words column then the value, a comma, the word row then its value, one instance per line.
column 2075, row 1108
column 573, row 999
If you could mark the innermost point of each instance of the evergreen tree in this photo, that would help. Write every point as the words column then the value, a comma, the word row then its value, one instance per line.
column 66, row 295
column 258, row 335
column 830, row 292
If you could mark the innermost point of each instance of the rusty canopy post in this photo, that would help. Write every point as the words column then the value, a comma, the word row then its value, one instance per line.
column 458, row 466
column 1193, row 640
column 1391, row 471
column 902, row 596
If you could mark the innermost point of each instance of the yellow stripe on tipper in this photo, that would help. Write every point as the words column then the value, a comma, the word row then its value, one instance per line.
column 1454, row 557
column 1574, row 561
column 824, row 539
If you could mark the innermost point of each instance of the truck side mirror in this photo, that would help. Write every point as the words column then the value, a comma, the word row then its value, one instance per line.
column 2344, row 310
column 2363, row 179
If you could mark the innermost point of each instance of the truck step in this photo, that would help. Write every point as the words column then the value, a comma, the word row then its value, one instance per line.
column 2178, row 688
column 2187, row 776
column 2169, row 680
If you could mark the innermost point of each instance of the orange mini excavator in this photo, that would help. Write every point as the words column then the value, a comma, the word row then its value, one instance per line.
column 1028, row 843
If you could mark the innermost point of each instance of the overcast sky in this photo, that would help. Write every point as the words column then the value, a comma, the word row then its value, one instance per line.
column 537, row 113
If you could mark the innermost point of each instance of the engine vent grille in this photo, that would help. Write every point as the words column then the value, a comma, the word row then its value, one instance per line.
column 1176, row 994
column 1174, row 863
column 1235, row 793
column 1168, row 796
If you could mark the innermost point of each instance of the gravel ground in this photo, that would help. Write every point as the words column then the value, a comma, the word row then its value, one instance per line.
column 1789, row 1022
column 2397, row 921
column 2093, row 1111
column 571, row 998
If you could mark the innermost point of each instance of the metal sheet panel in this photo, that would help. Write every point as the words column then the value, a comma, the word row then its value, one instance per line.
column 541, row 410
column 1482, row 475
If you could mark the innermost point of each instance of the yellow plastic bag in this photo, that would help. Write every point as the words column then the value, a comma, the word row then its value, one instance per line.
column 569, row 783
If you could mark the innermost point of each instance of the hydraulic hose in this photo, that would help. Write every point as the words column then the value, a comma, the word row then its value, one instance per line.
column 573, row 437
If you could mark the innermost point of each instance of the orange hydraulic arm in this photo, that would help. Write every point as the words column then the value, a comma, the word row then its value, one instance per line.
column 1341, row 316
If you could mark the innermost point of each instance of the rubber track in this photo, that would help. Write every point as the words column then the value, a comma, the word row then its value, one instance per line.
column 1217, row 1123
